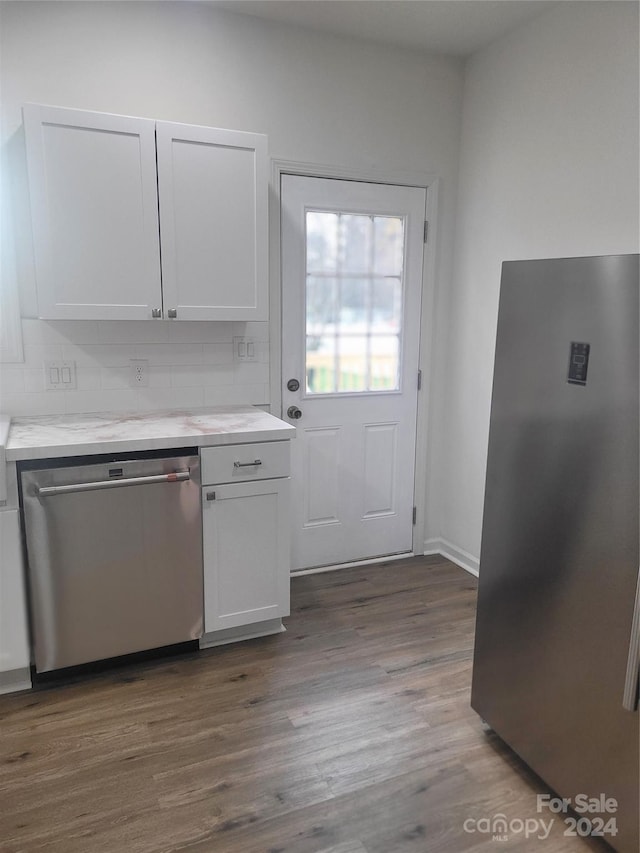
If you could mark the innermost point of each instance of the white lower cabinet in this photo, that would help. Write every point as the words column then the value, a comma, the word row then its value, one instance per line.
column 246, row 541
column 14, row 640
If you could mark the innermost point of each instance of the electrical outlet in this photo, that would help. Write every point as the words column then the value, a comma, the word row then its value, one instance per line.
column 139, row 376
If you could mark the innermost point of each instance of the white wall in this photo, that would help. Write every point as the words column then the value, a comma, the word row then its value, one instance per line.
column 549, row 168
column 319, row 98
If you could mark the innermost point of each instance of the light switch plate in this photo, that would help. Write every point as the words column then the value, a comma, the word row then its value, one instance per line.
column 60, row 375
column 245, row 349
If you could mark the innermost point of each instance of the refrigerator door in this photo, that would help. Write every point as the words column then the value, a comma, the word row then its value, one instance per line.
column 559, row 558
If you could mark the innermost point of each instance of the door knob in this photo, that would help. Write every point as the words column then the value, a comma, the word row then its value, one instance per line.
column 294, row 413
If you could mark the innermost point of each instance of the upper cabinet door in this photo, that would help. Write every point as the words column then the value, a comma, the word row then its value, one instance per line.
column 94, row 208
column 213, row 188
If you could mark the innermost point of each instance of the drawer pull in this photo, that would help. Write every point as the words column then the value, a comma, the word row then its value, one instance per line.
column 253, row 464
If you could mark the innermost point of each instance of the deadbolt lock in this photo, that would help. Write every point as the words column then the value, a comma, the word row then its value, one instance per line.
column 293, row 385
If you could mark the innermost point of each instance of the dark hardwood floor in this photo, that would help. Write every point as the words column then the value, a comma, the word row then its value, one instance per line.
column 350, row 733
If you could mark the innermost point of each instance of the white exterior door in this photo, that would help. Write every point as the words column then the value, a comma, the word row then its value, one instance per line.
column 352, row 279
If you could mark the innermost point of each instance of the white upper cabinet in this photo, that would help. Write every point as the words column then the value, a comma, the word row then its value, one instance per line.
column 94, row 209
column 213, row 222
column 134, row 218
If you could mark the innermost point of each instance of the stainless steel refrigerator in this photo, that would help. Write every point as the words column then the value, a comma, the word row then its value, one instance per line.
column 556, row 654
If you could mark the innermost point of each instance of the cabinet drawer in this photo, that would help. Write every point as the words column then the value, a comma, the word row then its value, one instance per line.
column 238, row 462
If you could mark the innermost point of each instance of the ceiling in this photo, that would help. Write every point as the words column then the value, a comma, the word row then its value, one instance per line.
column 456, row 27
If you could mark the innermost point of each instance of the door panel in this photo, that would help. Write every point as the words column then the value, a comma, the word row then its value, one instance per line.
column 246, row 557
column 213, row 221
column 94, row 206
column 379, row 466
column 14, row 640
column 352, row 257
column 321, row 476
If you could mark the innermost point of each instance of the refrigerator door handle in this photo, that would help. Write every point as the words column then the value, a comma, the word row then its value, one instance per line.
column 630, row 698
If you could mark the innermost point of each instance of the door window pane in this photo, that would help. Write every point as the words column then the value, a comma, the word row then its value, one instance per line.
column 322, row 302
column 355, row 242
column 321, row 364
column 353, row 306
column 354, row 299
column 322, row 241
column 386, row 305
column 384, row 362
column 388, row 245
column 352, row 363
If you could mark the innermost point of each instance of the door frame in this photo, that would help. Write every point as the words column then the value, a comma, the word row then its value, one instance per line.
column 427, row 352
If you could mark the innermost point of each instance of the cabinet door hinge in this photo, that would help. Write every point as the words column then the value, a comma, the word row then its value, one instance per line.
column 415, row 514
column 426, row 230
column 419, row 380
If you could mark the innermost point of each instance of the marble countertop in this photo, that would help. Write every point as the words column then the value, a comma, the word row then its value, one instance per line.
column 109, row 432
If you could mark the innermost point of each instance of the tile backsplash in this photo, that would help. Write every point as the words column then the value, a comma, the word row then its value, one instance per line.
column 191, row 364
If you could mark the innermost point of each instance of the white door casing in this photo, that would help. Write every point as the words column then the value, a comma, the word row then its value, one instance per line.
column 354, row 456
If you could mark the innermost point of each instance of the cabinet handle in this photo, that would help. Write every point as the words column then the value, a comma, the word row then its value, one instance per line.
column 211, row 496
column 172, row 313
column 247, row 464
column 156, row 313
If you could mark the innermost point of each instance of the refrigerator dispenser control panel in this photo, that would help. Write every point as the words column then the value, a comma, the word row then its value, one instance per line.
column 578, row 363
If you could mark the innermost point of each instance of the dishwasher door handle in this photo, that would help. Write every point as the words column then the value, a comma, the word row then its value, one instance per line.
column 98, row 485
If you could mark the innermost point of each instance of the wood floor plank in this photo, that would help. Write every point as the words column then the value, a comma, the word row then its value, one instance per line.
column 350, row 733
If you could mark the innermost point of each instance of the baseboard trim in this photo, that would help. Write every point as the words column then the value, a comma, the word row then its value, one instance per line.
column 15, row 680
column 316, row 570
column 457, row 555
column 242, row 632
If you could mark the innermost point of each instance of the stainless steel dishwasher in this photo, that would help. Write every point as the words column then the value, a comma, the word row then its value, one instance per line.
column 114, row 553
